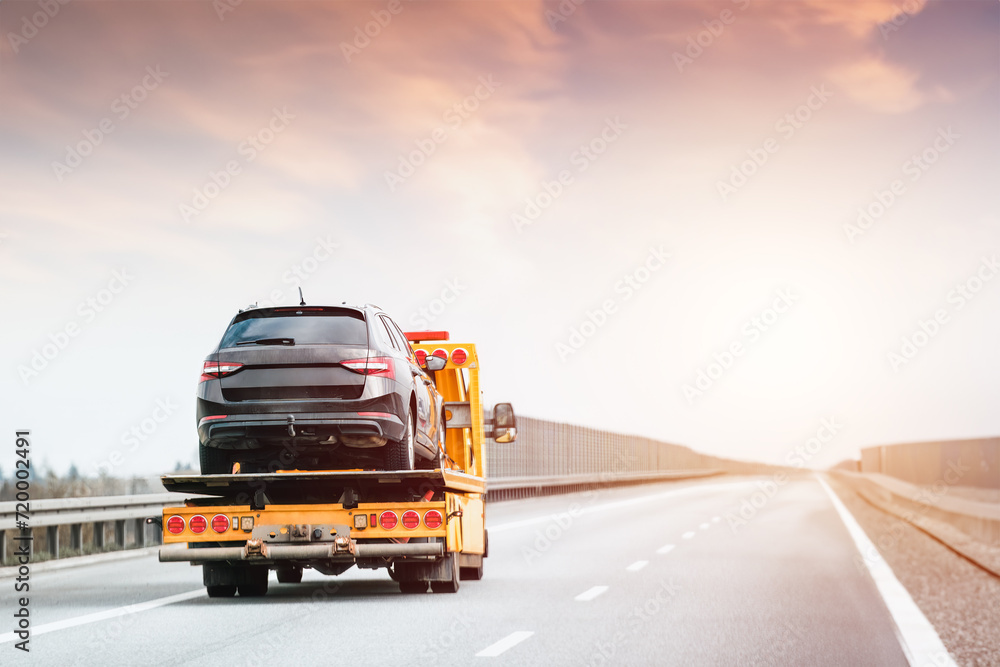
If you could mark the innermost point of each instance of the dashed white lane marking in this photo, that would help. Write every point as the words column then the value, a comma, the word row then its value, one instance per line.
column 698, row 488
column 688, row 535
column 638, row 565
column 665, row 549
column 105, row 615
column 716, row 519
column 590, row 594
column 916, row 635
column 705, row 526
column 508, row 642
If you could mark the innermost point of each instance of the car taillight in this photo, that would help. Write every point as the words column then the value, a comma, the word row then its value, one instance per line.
column 441, row 352
column 381, row 366
column 175, row 525
column 217, row 369
column 432, row 519
column 388, row 520
column 421, row 356
column 459, row 356
column 410, row 519
column 220, row 523
column 197, row 524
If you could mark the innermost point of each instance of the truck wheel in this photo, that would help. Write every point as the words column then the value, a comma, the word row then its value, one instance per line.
column 400, row 455
column 412, row 587
column 448, row 586
column 214, row 461
column 472, row 573
column 253, row 582
column 289, row 574
column 221, row 591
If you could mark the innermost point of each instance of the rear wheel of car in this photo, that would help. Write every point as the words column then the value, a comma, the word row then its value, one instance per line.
column 215, row 461
column 400, row 455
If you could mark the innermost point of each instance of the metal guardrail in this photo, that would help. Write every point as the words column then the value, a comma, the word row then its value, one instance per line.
column 99, row 512
column 548, row 457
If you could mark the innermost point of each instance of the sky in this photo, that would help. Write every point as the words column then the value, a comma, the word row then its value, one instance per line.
column 740, row 226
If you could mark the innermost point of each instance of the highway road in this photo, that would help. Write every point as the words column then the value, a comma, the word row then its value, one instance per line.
column 644, row 575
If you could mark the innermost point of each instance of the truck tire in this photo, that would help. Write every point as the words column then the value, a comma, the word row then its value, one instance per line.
column 221, row 591
column 400, row 455
column 412, row 587
column 214, row 461
column 289, row 574
column 253, row 581
column 472, row 573
column 448, row 586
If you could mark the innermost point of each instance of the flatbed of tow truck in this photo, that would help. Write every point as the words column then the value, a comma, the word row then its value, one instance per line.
column 426, row 527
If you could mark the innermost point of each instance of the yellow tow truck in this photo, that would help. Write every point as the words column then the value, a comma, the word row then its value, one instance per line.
column 425, row 526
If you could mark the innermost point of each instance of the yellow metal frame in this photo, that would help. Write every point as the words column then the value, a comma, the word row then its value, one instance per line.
column 285, row 515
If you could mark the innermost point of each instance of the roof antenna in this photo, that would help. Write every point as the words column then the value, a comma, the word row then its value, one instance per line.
column 302, row 299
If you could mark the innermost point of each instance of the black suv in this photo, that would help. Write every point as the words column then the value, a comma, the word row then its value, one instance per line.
column 317, row 388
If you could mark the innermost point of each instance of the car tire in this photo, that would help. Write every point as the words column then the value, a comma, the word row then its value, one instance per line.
column 215, row 461
column 401, row 455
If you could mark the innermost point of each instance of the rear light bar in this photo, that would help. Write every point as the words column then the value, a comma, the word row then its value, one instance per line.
column 433, row 519
column 217, row 369
column 175, row 525
column 420, row 336
column 220, row 523
column 197, row 524
column 410, row 519
column 388, row 520
column 381, row 366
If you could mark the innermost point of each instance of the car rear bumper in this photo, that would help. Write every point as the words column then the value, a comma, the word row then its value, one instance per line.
column 255, row 430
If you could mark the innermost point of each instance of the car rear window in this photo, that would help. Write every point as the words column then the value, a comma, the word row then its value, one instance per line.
column 335, row 327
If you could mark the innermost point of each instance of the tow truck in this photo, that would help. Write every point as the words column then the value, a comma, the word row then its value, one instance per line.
column 426, row 527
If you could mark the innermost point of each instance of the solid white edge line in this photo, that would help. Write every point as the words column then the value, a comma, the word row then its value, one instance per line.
column 105, row 615
column 918, row 638
column 666, row 548
column 615, row 505
column 590, row 593
column 638, row 565
column 510, row 641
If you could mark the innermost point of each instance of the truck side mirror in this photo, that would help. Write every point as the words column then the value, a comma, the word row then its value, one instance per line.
column 504, row 423
column 435, row 363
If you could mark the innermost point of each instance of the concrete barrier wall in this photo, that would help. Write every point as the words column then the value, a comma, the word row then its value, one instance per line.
column 974, row 463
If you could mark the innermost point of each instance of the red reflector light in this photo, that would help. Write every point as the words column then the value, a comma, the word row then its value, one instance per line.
column 198, row 524
column 381, row 366
column 432, row 519
column 382, row 415
column 175, row 525
column 218, row 369
column 441, row 352
column 421, row 356
column 410, row 519
column 372, row 520
column 459, row 356
column 388, row 520
column 220, row 523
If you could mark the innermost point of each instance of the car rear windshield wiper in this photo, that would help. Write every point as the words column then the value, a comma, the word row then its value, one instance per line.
column 268, row 341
